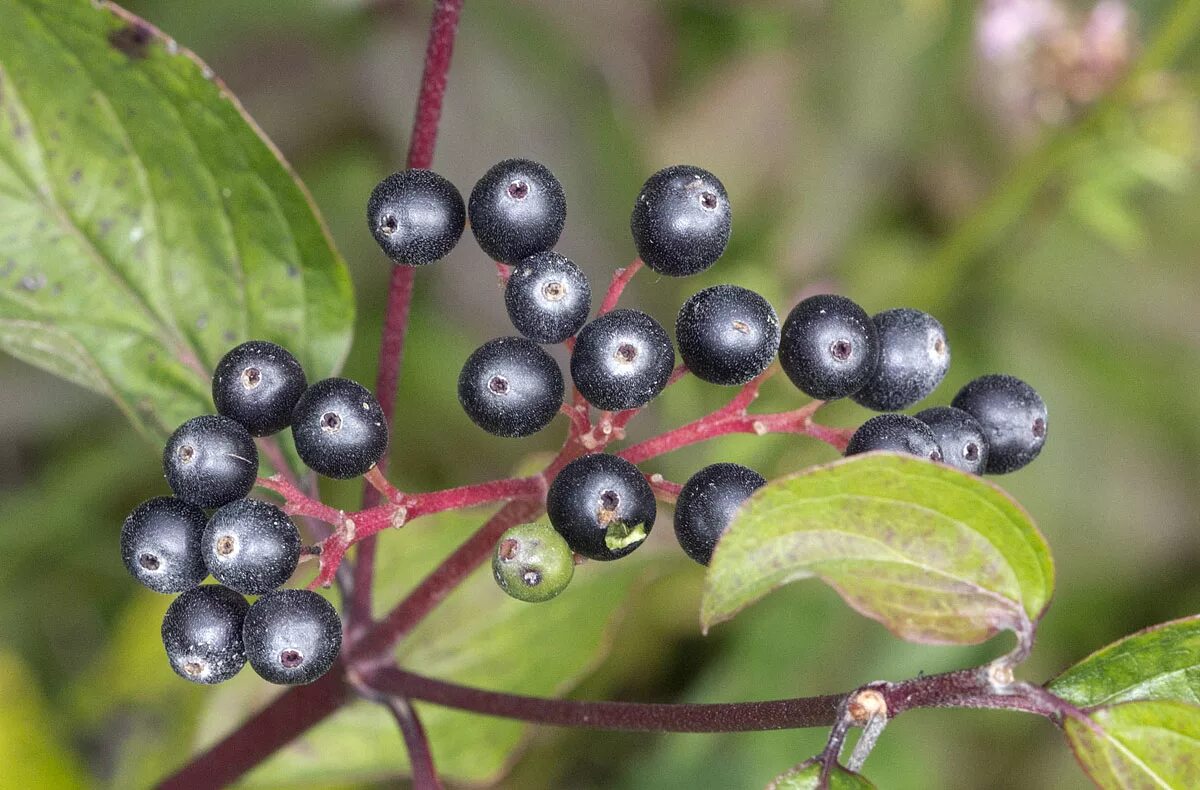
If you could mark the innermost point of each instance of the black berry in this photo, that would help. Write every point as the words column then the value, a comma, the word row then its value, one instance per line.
column 898, row 433
column 727, row 334
column 913, row 359
column 202, row 633
column 339, row 428
column 829, row 347
column 292, row 636
column 622, row 360
column 1013, row 418
column 210, row 460
column 681, row 220
column 959, row 435
column 258, row 384
column 416, row 216
column 251, row 546
column 707, row 504
column 532, row 562
column 517, row 209
column 160, row 544
column 548, row 297
column 602, row 506
column 510, row 386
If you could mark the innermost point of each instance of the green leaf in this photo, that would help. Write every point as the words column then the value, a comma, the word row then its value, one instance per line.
column 478, row 636
column 1139, row 745
column 935, row 555
column 1159, row 663
column 146, row 225
column 807, row 776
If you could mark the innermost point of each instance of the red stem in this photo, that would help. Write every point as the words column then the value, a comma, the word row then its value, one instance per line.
column 664, row 489
column 361, row 527
column 738, row 420
column 376, row 645
column 620, row 279
column 355, row 528
column 438, row 53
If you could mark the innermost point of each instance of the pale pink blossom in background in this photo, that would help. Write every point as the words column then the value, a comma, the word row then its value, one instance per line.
column 1040, row 61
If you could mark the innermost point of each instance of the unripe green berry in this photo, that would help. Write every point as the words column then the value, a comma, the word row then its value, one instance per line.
column 532, row 562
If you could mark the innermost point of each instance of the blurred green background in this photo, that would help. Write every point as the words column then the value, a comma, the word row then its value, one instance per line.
column 973, row 160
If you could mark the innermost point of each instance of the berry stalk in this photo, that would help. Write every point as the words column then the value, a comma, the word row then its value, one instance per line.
column 620, row 279
column 733, row 417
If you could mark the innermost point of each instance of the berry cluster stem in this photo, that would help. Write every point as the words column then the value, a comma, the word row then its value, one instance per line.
column 399, row 508
column 620, row 279
column 734, row 417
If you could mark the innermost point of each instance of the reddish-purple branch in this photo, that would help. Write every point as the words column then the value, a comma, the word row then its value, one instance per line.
column 626, row 716
column 272, row 728
column 420, row 759
column 438, row 53
column 989, row 687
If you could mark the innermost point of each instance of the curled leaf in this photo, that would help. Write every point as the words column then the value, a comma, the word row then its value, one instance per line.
column 936, row 555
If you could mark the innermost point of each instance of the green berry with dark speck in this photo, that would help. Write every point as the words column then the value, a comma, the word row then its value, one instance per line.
column 532, row 562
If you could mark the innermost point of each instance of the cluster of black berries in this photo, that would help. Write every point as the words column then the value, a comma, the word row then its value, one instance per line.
column 250, row 547
column 887, row 362
column 600, row 506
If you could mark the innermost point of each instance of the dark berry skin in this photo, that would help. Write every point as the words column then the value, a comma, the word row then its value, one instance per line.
column 160, row 544
column 622, row 360
column 1013, row 418
column 548, row 297
column 210, row 460
column 898, row 433
column 829, row 347
column 707, row 504
column 913, row 359
column 727, row 335
column 251, row 546
column 959, row 435
column 602, row 506
column 292, row 637
column 517, row 209
column 339, row 428
column 510, row 387
column 416, row 216
column 202, row 633
column 258, row 384
column 681, row 220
